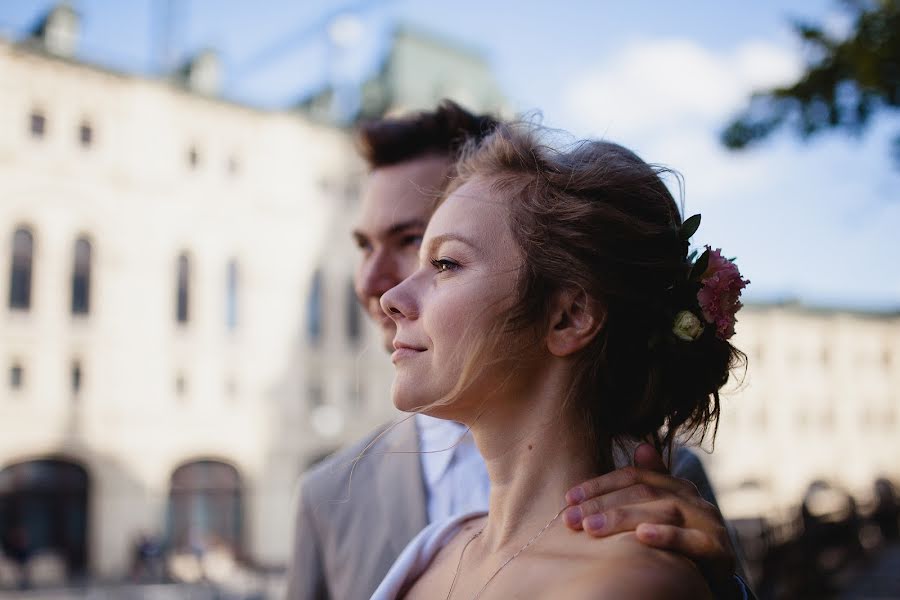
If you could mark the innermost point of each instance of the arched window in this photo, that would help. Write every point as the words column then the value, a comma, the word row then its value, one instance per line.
column 16, row 376
column 231, row 293
column 193, row 157
column 182, row 295
column 20, row 270
column 85, row 134
column 81, row 278
column 44, row 508
column 37, row 124
column 314, row 309
column 354, row 325
column 205, row 506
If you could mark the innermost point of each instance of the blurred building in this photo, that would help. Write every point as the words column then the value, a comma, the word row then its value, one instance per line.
column 418, row 69
column 820, row 402
column 180, row 337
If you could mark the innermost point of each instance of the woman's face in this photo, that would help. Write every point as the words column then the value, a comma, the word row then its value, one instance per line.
column 465, row 282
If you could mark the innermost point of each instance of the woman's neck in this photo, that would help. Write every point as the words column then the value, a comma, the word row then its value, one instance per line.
column 535, row 451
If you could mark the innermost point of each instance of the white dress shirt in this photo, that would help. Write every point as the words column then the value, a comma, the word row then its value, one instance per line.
column 456, row 479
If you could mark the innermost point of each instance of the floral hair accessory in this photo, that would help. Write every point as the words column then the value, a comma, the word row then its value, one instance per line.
column 719, row 284
column 720, row 292
column 687, row 326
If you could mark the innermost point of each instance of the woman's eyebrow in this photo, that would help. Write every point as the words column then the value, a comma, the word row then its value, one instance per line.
column 436, row 241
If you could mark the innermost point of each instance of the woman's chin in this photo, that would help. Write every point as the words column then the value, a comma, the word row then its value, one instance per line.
column 409, row 403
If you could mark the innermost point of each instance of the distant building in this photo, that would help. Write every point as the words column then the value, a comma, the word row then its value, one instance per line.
column 820, row 401
column 180, row 333
column 161, row 249
column 418, row 70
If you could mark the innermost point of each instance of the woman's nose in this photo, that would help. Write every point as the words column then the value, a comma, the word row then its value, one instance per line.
column 399, row 302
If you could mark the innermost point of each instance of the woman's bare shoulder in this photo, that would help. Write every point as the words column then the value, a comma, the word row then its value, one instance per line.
column 627, row 569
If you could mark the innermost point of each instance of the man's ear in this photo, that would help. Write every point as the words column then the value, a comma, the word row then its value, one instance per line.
column 575, row 319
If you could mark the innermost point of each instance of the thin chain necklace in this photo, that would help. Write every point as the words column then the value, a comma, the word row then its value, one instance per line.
column 506, row 562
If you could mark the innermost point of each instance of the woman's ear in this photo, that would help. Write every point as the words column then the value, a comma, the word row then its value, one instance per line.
column 575, row 319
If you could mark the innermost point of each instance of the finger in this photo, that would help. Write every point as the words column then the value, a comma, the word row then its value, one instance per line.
column 646, row 457
column 624, row 478
column 692, row 543
column 630, row 496
column 629, row 518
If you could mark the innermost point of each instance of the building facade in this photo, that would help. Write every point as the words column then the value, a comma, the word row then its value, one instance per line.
column 181, row 337
column 167, row 309
column 819, row 401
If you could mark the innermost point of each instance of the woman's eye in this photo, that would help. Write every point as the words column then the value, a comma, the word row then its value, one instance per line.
column 443, row 264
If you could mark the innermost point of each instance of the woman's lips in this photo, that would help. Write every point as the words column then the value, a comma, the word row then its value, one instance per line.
column 403, row 353
column 403, row 350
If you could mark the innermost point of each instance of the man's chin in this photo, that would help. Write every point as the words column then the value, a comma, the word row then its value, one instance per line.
column 388, row 332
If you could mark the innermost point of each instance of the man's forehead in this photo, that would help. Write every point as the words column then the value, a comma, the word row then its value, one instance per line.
column 401, row 196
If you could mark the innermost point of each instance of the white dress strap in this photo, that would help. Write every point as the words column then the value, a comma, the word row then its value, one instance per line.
column 419, row 553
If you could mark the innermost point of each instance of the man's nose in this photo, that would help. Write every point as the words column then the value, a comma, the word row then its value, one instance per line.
column 378, row 274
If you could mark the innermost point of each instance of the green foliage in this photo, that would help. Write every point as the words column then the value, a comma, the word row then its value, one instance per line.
column 689, row 227
column 699, row 267
column 845, row 82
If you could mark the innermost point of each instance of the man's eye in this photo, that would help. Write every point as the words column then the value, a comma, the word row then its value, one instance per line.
column 412, row 240
column 444, row 264
column 363, row 244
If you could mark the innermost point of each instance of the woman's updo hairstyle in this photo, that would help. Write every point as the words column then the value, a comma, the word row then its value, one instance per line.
column 597, row 218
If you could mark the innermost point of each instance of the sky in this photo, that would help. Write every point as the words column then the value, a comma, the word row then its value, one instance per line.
column 812, row 222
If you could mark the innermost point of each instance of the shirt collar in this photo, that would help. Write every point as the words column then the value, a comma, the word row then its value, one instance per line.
column 438, row 443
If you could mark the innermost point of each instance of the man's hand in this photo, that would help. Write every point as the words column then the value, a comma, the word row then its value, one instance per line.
column 665, row 512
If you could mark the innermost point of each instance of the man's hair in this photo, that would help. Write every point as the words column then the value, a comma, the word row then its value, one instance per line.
column 442, row 131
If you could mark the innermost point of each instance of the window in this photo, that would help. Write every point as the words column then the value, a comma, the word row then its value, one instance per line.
column 193, row 157
column 85, row 134
column 231, row 292
column 314, row 309
column 81, row 277
column 205, row 504
column 16, row 376
column 182, row 296
column 20, row 270
column 38, row 124
column 76, row 377
column 354, row 325
column 45, row 502
column 233, row 165
column 180, row 385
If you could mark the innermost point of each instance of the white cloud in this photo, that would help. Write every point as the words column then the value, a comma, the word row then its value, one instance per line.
column 773, row 205
column 658, row 84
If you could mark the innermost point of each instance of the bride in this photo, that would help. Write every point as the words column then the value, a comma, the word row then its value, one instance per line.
column 556, row 312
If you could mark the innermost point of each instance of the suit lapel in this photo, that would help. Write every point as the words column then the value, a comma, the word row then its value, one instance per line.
column 401, row 485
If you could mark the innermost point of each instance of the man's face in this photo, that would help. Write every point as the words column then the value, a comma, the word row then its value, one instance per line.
column 394, row 213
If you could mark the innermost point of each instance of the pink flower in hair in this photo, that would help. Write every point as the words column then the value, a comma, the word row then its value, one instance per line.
column 720, row 293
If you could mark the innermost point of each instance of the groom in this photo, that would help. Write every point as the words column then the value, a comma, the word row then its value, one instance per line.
column 359, row 508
